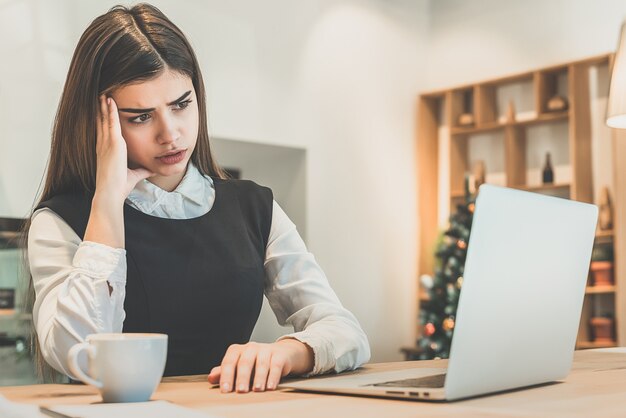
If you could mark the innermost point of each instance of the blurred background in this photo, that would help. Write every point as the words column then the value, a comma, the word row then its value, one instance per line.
column 319, row 99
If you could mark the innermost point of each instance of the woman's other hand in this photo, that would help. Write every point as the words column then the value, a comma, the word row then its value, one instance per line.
column 261, row 365
column 114, row 180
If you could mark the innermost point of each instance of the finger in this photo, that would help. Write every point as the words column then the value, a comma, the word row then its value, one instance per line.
column 261, row 370
column 277, row 365
column 114, row 118
column 245, row 366
column 214, row 376
column 141, row 173
column 104, row 111
column 99, row 124
column 229, row 363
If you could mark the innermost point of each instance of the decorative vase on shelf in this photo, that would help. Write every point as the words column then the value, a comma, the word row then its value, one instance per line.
column 510, row 112
column 557, row 103
column 605, row 217
column 479, row 174
column 602, row 330
column 548, row 173
column 602, row 273
column 466, row 119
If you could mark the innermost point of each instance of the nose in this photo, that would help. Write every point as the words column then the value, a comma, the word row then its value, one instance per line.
column 168, row 131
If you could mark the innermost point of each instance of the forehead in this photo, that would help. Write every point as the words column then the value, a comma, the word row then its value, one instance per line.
column 167, row 86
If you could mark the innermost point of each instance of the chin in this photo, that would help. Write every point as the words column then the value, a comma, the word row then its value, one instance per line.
column 170, row 171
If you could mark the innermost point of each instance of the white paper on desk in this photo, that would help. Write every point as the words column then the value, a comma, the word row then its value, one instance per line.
column 154, row 409
column 9, row 409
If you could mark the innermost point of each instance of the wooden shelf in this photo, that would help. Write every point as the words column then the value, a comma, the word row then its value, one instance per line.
column 517, row 159
column 495, row 126
column 604, row 235
column 592, row 290
column 544, row 118
column 12, row 314
column 7, row 312
column 593, row 344
column 564, row 187
column 469, row 130
column 9, row 235
column 546, row 187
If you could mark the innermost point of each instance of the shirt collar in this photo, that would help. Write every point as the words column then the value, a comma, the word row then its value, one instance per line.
column 193, row 187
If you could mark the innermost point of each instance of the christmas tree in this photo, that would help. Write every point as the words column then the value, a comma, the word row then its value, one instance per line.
column 438, row 312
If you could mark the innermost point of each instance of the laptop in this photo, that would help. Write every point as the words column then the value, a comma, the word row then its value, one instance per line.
column 519, row 309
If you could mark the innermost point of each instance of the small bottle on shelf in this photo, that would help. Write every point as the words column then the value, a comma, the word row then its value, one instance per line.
column 605, row 218
column 548, row 173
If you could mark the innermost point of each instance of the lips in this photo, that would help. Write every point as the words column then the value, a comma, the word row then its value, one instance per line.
column 172, row 152
column 173, row 157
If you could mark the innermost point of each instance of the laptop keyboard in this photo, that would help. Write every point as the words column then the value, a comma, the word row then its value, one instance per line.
column 434, row 381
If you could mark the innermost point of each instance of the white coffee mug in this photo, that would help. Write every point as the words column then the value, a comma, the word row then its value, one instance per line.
column 125, row 367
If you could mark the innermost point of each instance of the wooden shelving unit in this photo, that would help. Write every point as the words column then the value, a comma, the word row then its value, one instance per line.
column 546, row 187
column 591, row 344
column 495, row 126
column 488, row 102
column 599, row 297
column 594, row 290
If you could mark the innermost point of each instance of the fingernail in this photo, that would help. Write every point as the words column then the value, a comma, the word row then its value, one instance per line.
column 109, row 101
column 271, row 385
column 225, row 387
column 242, row 388
column 258, row 387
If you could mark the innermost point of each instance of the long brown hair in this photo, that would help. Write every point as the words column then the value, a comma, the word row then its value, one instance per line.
column 122, row 46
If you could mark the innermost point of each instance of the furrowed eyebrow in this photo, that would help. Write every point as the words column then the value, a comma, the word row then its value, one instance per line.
column 148, row 110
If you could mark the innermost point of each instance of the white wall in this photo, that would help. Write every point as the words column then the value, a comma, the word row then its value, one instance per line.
column 337, row 78
column 476, row 40
column 277, row 166
column 471, row 41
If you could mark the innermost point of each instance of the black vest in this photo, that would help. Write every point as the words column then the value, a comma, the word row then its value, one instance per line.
column 200, row 280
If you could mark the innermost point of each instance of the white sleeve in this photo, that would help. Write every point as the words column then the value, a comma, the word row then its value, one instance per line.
column 300, row 295
column 70, row 279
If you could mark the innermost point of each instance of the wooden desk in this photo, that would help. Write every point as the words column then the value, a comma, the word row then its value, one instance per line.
column 596, row 387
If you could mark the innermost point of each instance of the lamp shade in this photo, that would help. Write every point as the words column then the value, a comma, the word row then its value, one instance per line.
column 616, row 110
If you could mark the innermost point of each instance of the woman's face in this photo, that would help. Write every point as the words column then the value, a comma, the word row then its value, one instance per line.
column 159, row 120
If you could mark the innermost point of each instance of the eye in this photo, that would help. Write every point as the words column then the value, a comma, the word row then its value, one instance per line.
column 182, row 105
column 141, row 118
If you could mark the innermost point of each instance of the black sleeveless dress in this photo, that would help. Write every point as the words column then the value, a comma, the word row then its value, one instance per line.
column 200, row 280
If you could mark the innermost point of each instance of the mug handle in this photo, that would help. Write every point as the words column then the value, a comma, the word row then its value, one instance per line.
column 72, row 358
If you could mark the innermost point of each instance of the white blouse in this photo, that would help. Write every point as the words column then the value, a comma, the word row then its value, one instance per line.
column 71, row 279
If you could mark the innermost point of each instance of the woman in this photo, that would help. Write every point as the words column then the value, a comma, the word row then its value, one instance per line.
column 139, row 230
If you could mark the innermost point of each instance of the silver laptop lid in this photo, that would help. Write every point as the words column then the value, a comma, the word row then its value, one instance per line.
column 523, row 290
